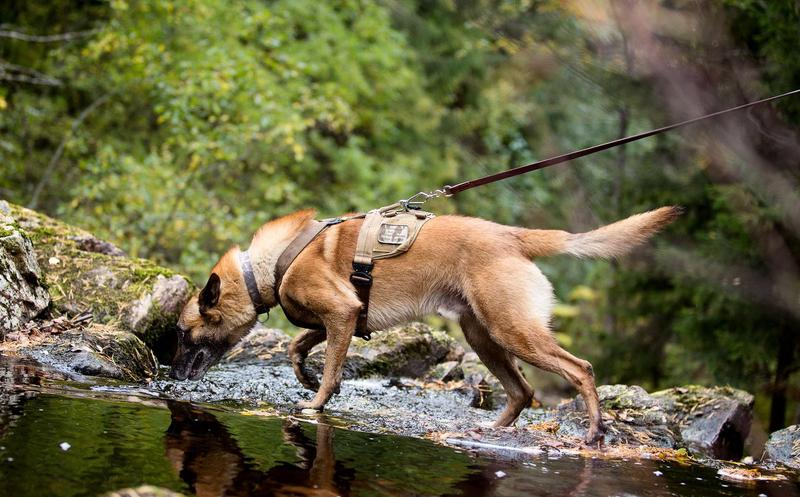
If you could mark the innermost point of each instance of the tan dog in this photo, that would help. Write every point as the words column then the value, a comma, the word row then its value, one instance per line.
column 469, row 269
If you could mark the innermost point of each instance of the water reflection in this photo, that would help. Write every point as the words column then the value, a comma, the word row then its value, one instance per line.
column 16, row 380
column 208, row 459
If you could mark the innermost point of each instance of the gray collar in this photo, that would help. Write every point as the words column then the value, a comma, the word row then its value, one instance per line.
column 252, row 284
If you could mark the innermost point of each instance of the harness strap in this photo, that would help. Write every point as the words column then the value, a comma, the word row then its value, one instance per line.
column 294, row 249
column 252, row 284
column 361, row 277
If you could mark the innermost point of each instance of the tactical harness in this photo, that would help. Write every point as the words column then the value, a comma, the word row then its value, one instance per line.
column 386, row 232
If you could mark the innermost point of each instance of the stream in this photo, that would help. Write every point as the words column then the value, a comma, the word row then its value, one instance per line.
column 61, row 438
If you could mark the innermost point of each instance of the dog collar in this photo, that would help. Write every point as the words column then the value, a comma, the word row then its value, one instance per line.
column 252, row 284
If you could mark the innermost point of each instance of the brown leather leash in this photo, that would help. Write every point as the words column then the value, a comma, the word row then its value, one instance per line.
column 449, row 190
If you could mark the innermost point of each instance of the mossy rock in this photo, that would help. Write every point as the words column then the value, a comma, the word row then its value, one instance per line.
column 714, row 421
column 409, row 350
column 84, row 273
column 23, row 294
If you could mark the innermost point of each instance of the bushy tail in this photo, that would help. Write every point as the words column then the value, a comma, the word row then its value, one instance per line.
column 607, row 242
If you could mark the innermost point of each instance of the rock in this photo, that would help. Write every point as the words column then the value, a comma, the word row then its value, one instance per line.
column 409, row 350
column 23, row 294
column 91, row 244
column 262, row 344
column 713, row 421
column 89, row 350
column 154, row 315
column 631, row 414
column 783, row 447
column 85, row 273
column 122, row 354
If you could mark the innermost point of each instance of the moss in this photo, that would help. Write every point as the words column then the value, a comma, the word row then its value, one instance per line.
column 80, row 280
column 149, row 270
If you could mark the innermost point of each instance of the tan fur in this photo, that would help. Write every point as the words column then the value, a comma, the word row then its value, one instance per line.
column 474, row 270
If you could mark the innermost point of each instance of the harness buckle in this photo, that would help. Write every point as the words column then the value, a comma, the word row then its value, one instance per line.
column 361, row 274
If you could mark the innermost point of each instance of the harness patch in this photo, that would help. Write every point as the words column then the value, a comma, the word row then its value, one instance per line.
column 393, row 234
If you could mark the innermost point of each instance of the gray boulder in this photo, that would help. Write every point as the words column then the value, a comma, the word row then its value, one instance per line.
column 446, row 371
column 409, row 350
column 783, row 447
column 23, row 294
column 713, row 421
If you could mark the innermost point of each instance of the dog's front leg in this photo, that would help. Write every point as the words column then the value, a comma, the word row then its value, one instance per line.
column 340, row 329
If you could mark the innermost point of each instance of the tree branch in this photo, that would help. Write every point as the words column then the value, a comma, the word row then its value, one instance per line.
column 18, row 35
column 56, row 157
column 14, row 72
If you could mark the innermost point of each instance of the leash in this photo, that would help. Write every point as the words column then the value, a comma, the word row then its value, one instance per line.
column 417, row 200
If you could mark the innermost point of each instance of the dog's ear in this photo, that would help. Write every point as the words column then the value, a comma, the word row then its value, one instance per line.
column 209, row 295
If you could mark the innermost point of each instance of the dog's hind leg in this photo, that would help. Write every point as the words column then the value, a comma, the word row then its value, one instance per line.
column 522, row 328
column 501, row 364
column 298, row 351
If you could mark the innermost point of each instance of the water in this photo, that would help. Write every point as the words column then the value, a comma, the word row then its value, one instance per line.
column 125, row 441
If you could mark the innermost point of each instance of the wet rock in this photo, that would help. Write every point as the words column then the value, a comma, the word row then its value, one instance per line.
column 783, row 447
column 144, row 491
column 23, row 295
column 122, row 354
column 713, row 421
column 409, row 350
column 84, row 273
column 262, row 344
column 93, row 350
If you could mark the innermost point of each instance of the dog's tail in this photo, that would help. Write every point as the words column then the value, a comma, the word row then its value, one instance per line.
column 606, row 242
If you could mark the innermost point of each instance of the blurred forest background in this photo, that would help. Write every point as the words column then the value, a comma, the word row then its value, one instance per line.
column 175, row 128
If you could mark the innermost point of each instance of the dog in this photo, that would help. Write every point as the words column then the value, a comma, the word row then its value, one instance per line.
column 469, row 269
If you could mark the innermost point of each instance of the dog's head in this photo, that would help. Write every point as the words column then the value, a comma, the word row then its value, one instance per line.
column 213, row 320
